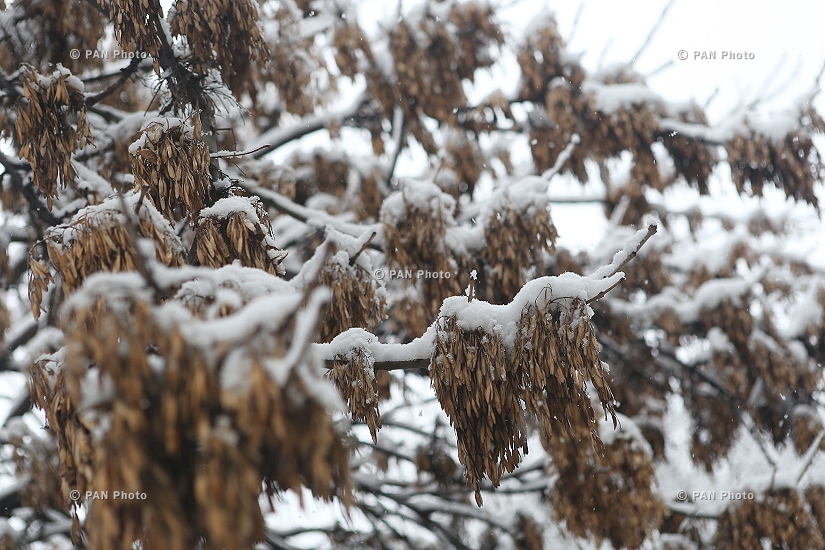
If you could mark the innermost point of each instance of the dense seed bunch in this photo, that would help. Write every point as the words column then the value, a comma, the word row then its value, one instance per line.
column 355, row 379
column 173, row 162
column 556, row 354
column 223, row 33
column 692, row 159
column 781, row 517
column 51, row 125
column 415, row 233
column 35, row 458
column 516, row 240
column 142, row 407
column 237, row 228
column 542, row 59
column 60, row 26
column 97, row 239
column 357, row 300
column 138, row 25
column 792, row 163
column 294, row 61
column 478, row 389
column 608, row 497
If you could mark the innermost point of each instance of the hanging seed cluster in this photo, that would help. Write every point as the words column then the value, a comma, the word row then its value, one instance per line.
column 556, row 354
column 35, row 458
column 198, row 449
column 355, row 379
column 416, row 240
column 434, row 459
column 480, row 393
column 357, row 300
column 174, row 163
column 292, row 60
column 541, row 59
column 96, row 239
column 692, row 159
column 781, row 517
column 480, row 385
column 51, row 125
column 791, row 163
column 608, row 497
column 60, row 26
column 431, row 57
column 137, row 24
column 223, row 33
column 237, row 228
column 516, row 240
column 352, row 48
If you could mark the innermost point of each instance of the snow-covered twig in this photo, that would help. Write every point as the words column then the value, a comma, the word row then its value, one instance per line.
column 623, row 257
column 236, row 154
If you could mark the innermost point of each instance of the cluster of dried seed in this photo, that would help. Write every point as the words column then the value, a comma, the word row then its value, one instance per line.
column 223, row 33
column 137, row 24
column 60, row 27
column 293, row 59
column 198, row 449
column 357, row 300
column 780, row 516
column 542, row 59
column 479, row 391
column 692, row 159
column 791, row 163
column 435, row 460
column 51, row 125
column 431, row 57
column 555, row 356
column 35, row 458
column 352, row 48
column 97, row 239
column 607, row 497
column 174, row 163
column 516, row 241
column 416, row 241
column 355, row 379
column 226, row 235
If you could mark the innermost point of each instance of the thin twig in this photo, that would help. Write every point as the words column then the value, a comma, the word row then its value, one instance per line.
column 399, row 126
column 652, row 32
column 235, row 154
column 362, row 249
column 125, row 74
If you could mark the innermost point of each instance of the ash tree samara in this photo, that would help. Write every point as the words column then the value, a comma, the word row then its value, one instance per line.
column 208, row 352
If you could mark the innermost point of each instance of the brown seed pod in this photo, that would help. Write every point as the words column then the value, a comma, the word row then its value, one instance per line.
column 96, row 239
column 237, row 228
column 780, row 517
column 47, row 129
column 358, row 301
column 609, row 497
column 137, row 24
column 517, row 234
column 355, row 379
column 478, row 390
column 791, row 162
column 556, row 354
column 415, row 227
column 35, row 458
column 222, row 34
column 172, row 161
column 141, row 403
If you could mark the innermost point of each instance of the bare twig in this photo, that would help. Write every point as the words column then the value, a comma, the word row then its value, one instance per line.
column 28, row 192
column 652, row 32
column 362, row 249
column 125, row 74
column 235, row 154
column 399, row 125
